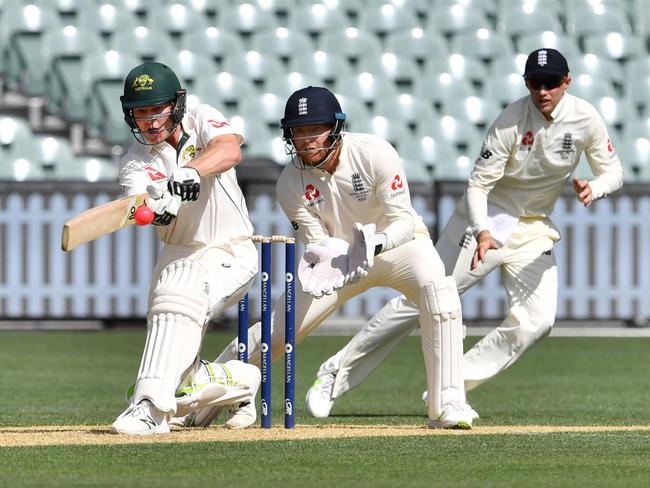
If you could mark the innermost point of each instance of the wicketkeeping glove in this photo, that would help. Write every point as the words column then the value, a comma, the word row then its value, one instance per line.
column 165, row 206
column 186, row 183
column 362, row 251
column 323, row 266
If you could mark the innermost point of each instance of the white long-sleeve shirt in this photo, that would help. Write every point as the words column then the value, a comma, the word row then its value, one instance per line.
column 368, row 186
column 526, row 160
column 220, row 214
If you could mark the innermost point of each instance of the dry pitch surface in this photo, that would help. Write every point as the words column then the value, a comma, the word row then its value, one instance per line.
column 101, row 434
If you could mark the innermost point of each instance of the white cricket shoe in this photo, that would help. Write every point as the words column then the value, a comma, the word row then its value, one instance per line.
column 319, row 397
column 142, row 419
column 454, row 416
column 241, row 415
column 474, row 413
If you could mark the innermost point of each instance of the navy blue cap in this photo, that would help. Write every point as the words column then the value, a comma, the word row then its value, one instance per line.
column 546, row 62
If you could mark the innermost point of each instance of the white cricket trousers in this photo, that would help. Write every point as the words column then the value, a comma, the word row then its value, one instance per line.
column 529, row 275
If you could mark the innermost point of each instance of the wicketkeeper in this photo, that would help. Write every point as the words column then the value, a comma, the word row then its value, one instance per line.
column 347, row 197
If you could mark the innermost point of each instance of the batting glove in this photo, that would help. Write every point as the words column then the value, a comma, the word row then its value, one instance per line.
column 186, row 183
column 165, row 206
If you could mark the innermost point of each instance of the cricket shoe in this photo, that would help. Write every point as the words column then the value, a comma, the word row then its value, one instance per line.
column 241, row 415
column 474, row 413
column 142, row 419
column 454, row 416
column 319, row 397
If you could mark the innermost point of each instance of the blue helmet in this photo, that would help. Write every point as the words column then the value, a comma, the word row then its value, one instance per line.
column 313, row 105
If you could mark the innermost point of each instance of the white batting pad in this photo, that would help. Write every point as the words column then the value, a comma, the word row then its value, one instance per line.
column 442, row 344
column 174, row 332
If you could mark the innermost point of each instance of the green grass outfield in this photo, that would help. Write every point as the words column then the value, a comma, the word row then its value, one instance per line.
column 79, row 378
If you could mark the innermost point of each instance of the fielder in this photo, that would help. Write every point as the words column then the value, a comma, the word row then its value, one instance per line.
column 185, row 160
column 348, row 200
column 529, row 153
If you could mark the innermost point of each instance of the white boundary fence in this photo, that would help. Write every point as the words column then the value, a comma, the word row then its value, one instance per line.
column 603, row 257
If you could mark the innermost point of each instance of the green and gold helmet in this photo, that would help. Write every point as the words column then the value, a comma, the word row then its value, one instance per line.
column 151, row 84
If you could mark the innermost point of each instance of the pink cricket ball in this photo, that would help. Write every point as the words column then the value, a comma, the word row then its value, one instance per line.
column 143, row 215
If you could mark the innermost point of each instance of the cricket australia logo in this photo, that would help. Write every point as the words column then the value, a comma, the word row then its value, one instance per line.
column 143, row 82
column 302, row 106
column 358, row 190
column 542, row 57
column 567, row 145
column 189, row 152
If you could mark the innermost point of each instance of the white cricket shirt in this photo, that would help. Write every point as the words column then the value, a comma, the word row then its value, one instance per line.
column 368, row 186
column 526, row 160
column 220, row 214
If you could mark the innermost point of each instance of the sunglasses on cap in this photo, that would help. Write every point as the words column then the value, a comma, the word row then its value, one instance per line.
column 548, row 83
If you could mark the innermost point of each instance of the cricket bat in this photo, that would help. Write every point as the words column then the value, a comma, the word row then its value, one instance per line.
column 101, row 220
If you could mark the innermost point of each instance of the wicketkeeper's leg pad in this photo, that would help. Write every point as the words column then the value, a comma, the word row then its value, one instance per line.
column 177, row 317
column 442, row 344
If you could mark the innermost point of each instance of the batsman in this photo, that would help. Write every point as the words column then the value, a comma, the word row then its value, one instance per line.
column 185, row 160
column 348, row 199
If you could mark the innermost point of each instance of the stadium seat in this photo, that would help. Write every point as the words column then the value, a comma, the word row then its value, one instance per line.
column 476, row 110
column 416, row 172
column 365, row 87
column 412, row 111
column 505, row 88
column 104, row 19
column 90, row 169
column 253, row 66
column 383, row 19
column 598, row 67
column 457, row 19
column 15, row 133
column 66, row 48
column 487, row 7
column 458, row 66
column 102, row 83
column 428, row 151
column 51, row 151
column 262, row 142
column 245, row 18
column 189, row 66
column 282, row 42
column 327, row 67
column 223, row 90
column 401, row 70
column 417, row 44
column 614, row 45
column 590, row 88
column 567, row 45
column 21, row 36
column 459, row 134
column 456, row 170
column 317, row 19
column 357, row 115
column 175, row 19
column 596, row 18
column 634, row 154
column 390, row 130
column 267, row 108
column 637, row 83
column 437, row 88
column 482, row 44
column 505, row 65
column 213, row 42
column 146, row 43
column 287, row 83
column 517, row 21
column 350, row 42
column 20, row 169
